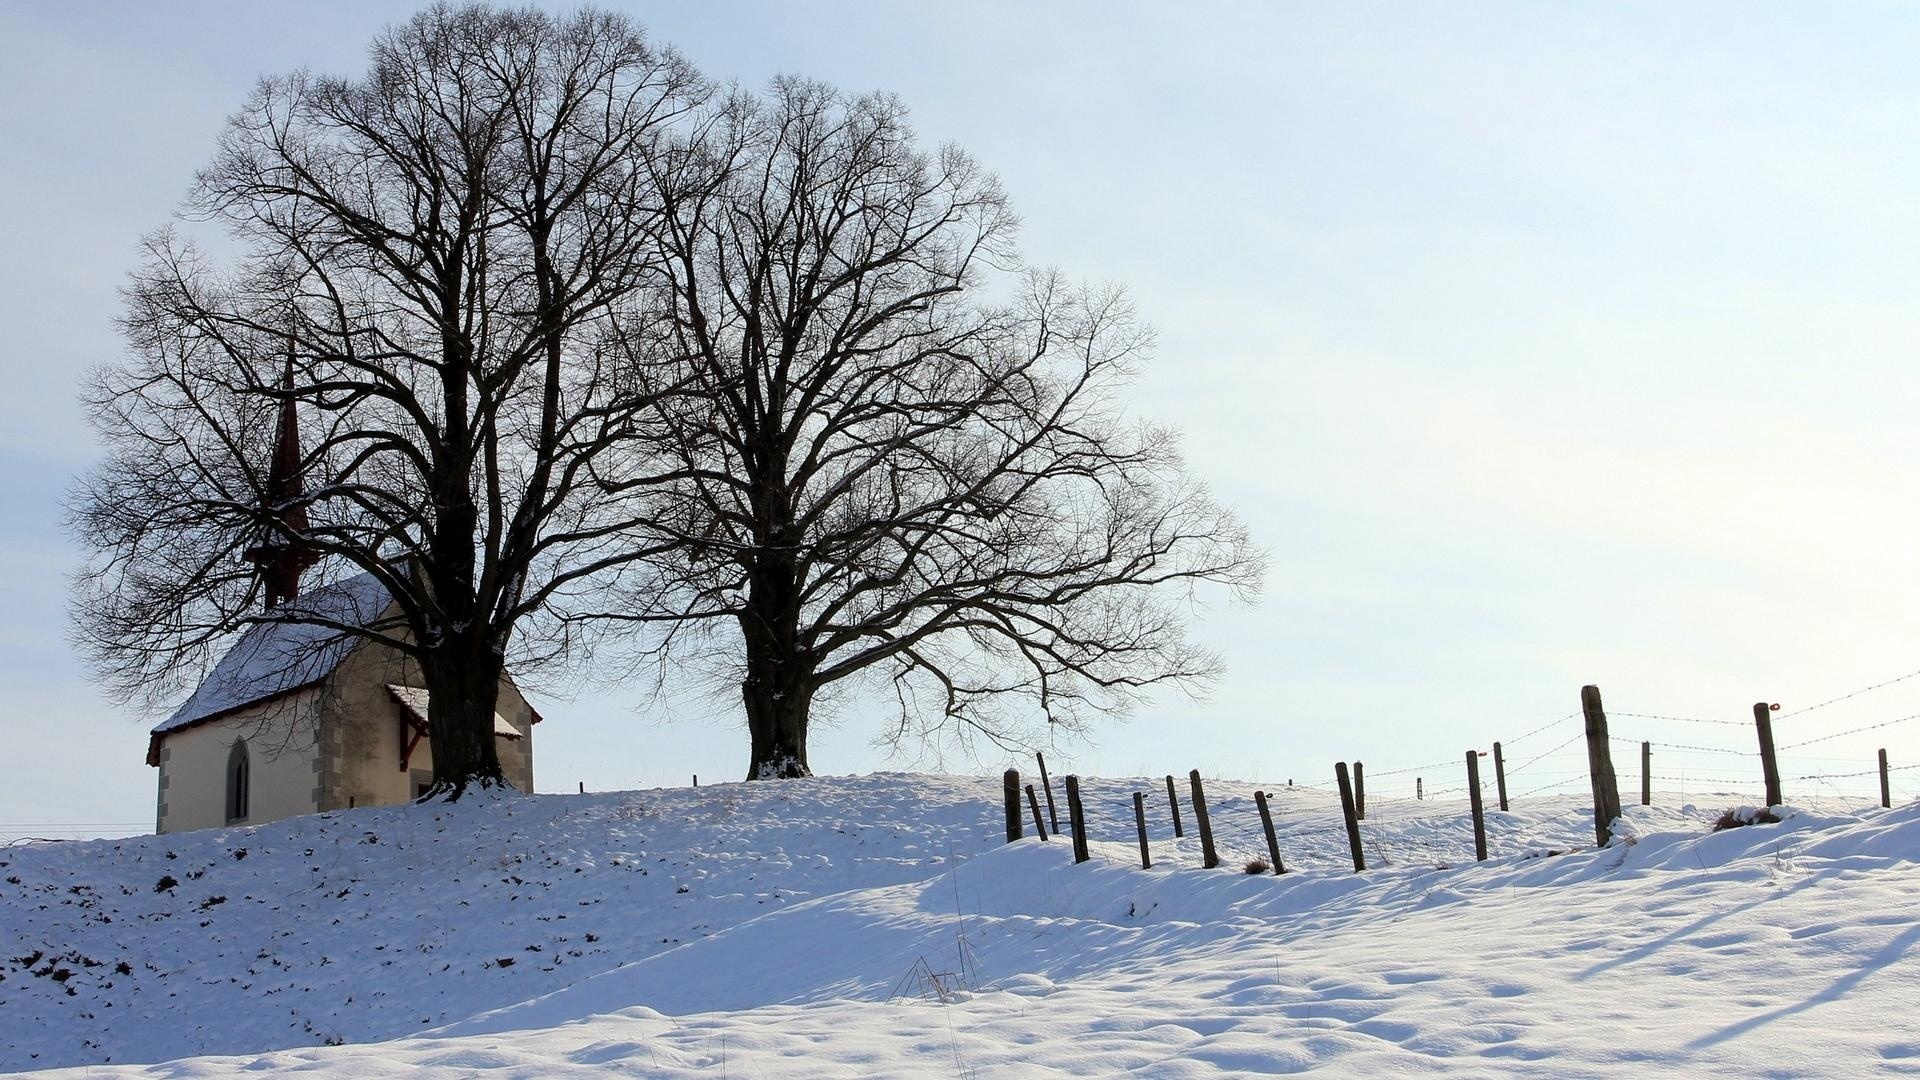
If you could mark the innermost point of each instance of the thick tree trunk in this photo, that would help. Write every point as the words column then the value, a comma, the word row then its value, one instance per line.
column 778, row 688
column 463, row 687
column 777, row 710
column 462, row 673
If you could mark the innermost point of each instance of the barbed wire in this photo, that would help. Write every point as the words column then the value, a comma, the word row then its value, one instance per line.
column 1576, row 736
column 1548, row 755
column 1851, row 731
column 1565, row 779
column 1688, row 748
column 1682, row 719
column 1816, row 757
column 1540, row 729
column 1845, row 697
column 1704, row 749
column 1845, row 775
column 73, row 825
column 1371, row 773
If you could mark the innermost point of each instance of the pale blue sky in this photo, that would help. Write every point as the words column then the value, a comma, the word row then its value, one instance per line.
column 1540, row 344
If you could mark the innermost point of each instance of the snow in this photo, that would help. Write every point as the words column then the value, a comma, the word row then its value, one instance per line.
column 274, row 657
column 878, row 926
column 416, row 701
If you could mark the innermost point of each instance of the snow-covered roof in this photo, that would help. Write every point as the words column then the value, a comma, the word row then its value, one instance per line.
column 415, row 700
column 273, row 658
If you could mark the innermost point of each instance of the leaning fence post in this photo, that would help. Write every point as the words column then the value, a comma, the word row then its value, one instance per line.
column 1046, row 785
column 1039, row 825
column 1077, row 819
column 1346, row 809
column 1646, row 774
column 1208, row 857
column 1769, row 765
column 1140, row 826
column 1173, row 806
column 1479, row 811
column 1606, row 791
column 1266, row 822
column 1500, row 776
column 1010, row 784
column 1886, row 793
column 1359, row 791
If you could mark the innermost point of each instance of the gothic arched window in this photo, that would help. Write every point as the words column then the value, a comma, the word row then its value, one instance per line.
column 237, row 777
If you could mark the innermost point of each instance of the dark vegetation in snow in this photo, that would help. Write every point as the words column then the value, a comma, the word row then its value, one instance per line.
column 1745, row 815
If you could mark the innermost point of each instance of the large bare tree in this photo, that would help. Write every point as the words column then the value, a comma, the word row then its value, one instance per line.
column 438, row 266
column 906, row 463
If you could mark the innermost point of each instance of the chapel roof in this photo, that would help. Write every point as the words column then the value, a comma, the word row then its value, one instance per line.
column 274, row 658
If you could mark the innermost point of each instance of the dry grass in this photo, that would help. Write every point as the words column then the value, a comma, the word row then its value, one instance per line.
column 1745, row 815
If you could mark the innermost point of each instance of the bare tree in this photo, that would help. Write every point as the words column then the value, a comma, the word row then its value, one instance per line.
column 906, row 462
column 439, row 266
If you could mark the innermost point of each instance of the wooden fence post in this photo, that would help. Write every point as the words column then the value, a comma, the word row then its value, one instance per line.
column 1208, row 857
column 1046, row 785
column 1606, row 790
column 583, row 787
column 1886, row 792
column 1173, row 806
column 1500, row 776
column 1140, row 826
column 1266, row 822
column 1010, row 784
column 1419, row 788
column 1479, row 811
column 1077, row 819
column 1646, row 774
column 1346, row 809
column 696, row 779
column 1039, row 824
column 1769, row 765
column 1359, row 791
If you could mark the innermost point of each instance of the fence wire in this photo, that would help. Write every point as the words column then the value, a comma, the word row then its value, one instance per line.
column 1574, row 769
column 1847, row 696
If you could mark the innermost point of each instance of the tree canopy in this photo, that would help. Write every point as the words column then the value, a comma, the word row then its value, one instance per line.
column 905, row 460
column 437, row 267
column 559, row 342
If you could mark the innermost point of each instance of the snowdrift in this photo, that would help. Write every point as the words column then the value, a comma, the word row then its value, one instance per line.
column 877, row 926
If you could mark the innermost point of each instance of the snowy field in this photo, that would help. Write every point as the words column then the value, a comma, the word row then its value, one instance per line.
column 877, row 926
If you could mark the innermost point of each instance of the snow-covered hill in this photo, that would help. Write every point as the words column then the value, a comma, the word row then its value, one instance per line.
column 876, row 926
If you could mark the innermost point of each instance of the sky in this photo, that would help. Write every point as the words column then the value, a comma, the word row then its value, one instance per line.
column 1539, row 345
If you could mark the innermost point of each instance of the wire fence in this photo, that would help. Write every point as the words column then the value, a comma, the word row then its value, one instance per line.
column 1740, row 768
column 1728, row 766
column 26, row 832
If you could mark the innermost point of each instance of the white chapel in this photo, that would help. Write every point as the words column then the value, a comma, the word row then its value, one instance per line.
column 298, row 718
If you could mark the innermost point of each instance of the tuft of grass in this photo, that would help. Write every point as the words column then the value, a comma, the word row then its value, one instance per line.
column 1257, row 866
column 1745, row 815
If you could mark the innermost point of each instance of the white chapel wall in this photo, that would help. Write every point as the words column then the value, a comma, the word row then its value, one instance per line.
column 283, row 761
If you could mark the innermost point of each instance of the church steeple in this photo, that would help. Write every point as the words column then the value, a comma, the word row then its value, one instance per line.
column 280, row 555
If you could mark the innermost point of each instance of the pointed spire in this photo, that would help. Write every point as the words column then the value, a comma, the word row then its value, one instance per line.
column 281, row 557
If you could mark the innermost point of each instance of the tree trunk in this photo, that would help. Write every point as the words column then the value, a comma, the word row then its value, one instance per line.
column 777, row 711
column 778, row 688
column 463, row 687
